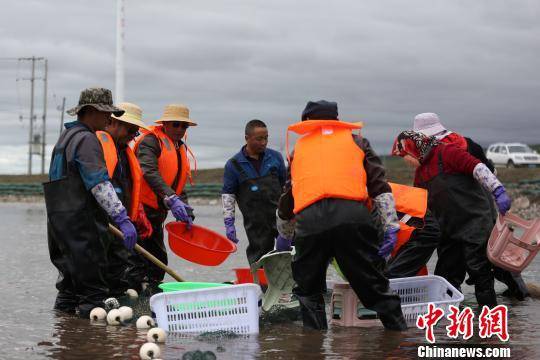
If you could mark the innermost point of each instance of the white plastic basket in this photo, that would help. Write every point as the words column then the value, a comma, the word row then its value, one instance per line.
column 418, row 291
column 227, row 308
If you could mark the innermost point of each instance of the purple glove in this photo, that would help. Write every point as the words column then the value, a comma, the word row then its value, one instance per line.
column 179, row 210
column 230, row 230
column 390, row 238
column 283, row 244
column 502, row 199
column 127, row 228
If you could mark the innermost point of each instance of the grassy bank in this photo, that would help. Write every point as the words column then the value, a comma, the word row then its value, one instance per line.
column 397, row 171
column 205, row 176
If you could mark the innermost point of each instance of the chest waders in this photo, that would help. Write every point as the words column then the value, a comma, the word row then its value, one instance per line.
column 258, row 199
column 121, row 263
column 77, row 232
column 463, row 211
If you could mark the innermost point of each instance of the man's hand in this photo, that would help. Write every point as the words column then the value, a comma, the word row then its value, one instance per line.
column 179, row 210
column 389, row 241
column 127, row 228
column 230, row 230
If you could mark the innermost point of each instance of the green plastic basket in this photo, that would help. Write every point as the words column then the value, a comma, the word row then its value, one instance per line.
column 184, row 286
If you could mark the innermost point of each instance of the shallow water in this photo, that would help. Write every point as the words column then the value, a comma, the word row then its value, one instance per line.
column 29, row 329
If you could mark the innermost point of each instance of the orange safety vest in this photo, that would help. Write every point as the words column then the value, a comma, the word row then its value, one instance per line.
column 412, row 202
column 111, row 160
column 327, row 163
column 167, row 165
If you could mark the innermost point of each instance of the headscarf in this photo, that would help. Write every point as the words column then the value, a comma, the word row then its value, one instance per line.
column 415, row 144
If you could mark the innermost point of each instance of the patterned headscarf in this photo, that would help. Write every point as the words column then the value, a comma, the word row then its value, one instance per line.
column 415, row 144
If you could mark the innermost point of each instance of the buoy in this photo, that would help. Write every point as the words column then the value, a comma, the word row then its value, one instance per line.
column 98, row 314
column 111, row 303
column 149, row 351
column 126, row 312
column 145, row 322
column 157, row 335
column 132, row 293
column 114, row 317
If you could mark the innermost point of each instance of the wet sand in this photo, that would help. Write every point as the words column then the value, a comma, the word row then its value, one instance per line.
column 29, row 329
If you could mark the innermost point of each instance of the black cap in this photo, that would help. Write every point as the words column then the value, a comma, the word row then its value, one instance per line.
column 320, row 110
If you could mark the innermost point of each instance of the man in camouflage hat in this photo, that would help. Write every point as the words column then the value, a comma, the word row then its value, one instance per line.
column 80, row 199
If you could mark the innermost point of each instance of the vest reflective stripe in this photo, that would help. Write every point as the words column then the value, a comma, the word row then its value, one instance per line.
column 410, row 200
column 327, row 163
column 167, row 165
column 111, row 160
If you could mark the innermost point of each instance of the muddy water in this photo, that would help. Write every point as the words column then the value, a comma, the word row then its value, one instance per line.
column 29, row 329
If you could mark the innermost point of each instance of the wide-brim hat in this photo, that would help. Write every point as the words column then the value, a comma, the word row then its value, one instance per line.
column 176, row 112
column 98, row 98
column 428, row 124
column 132, row 115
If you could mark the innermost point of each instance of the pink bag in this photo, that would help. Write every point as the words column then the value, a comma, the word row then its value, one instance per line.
column 514, row 242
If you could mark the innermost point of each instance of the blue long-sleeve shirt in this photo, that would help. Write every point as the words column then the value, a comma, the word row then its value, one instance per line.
column 272, row 160
column 87, row 154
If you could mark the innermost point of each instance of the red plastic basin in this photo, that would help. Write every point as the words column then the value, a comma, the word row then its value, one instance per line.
column 244, row 276
column 199, row 245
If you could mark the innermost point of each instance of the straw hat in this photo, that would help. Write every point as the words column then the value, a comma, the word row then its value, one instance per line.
column 176, row 112
column 132, row 115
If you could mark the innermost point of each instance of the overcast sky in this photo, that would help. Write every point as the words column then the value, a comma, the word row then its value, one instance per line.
column 475, row 63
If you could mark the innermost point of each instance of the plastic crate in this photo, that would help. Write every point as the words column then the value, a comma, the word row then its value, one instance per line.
column 514, row 242
column 230, row 308
column 347, row 310
column 415, row 294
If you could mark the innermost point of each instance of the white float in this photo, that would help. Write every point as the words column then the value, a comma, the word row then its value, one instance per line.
column 126, row 312
column 132, row 293
column 98, row 314
column 157, row 335
column 149, row 351
column 145, row 322
column 114, row 317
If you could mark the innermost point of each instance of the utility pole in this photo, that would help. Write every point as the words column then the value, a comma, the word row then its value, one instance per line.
column 32, row 79
column 31, row 132
column 62, row 111
column 44, row 130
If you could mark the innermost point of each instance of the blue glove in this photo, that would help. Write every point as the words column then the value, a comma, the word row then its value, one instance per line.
column 127, row 228
column 179, row 210
column 502, row 199
column 283, row 244
column 390, row 238
column 230, row 230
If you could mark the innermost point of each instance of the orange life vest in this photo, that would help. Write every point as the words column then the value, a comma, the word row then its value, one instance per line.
column 167, row 165
column 111, row 160
column 327, row 163
column 412, row 202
